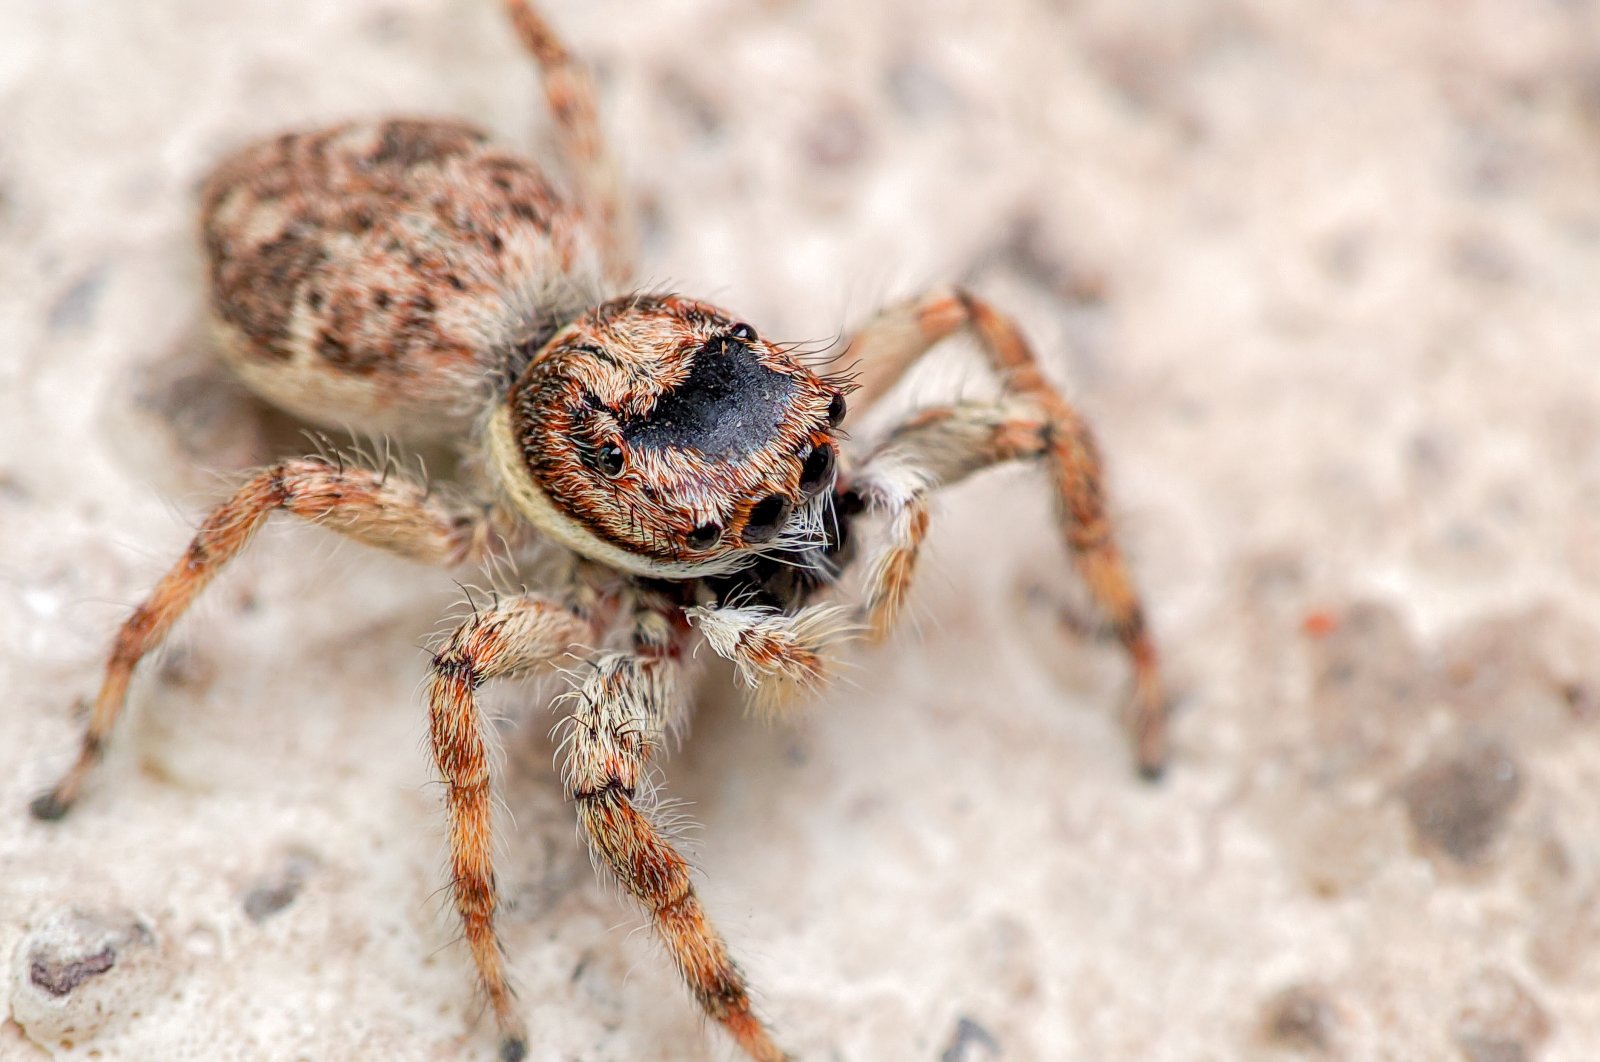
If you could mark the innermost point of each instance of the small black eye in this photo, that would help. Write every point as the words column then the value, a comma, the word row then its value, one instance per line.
column 743, row 332
column 818, row 469
column 608, row 459
column 765, row 518
column 705, row 536
column 836, row 410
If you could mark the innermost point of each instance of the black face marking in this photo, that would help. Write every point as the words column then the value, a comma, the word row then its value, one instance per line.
column 729, row 405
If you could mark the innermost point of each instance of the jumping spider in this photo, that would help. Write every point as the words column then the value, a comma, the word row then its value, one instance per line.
column 407, row 277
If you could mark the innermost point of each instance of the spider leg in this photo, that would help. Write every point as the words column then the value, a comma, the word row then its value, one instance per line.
column 944, row 445
column 941, row 446
column 886, row 347
column 779, row 655
column 620, row 717
column 569, row 92
column 372, row 507
column 513, row 637
column 892, row 342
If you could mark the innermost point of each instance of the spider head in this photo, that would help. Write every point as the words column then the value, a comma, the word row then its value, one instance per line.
column 661, row 436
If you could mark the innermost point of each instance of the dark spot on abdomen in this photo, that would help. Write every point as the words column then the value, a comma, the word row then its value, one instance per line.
column 254, row 288
column 407, row 143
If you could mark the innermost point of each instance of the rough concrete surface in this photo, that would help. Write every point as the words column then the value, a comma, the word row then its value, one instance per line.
column 1325, row 277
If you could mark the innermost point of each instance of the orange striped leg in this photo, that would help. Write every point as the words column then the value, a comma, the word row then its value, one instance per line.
column 619, row 718
column 941, row 446
column 935, row 448
column 886, row 348
column 1079, row 475
column 569, row 92
column 514, row 637
column 378, row 509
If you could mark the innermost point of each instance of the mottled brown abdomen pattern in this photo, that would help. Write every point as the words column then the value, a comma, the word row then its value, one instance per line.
column 377, row 275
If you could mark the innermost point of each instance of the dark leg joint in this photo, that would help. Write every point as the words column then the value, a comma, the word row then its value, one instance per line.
column 1130, row 628
column 723, row 996
column 452, row 665
column 277, row 485
column 613, row 787
column 93, row 748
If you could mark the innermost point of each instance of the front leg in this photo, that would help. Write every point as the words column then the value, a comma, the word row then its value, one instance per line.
column 944, row 445
column 513, row 638
column 780, row 656
column 377, row 508
column 940, row 446
column 618, row 720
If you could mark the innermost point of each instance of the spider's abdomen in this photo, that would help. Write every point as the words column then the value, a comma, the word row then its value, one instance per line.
column 375, row 275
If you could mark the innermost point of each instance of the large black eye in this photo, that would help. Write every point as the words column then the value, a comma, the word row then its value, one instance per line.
column 836, row 410
column 608, row 459
column 770, row 512
column 743, row 332
column 818, row 469
column 705, row 536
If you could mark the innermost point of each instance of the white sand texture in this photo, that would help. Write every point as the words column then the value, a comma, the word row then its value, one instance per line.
column 1326, row 278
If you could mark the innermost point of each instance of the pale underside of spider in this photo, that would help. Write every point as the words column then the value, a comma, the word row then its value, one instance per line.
column 408, row 278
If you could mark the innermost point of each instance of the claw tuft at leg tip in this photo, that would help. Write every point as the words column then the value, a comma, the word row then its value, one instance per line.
column 48, row 806
column 1152, row 772
column 513, row 1049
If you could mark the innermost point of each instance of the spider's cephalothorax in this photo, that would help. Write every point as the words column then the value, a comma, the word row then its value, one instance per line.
column 408, row 277
column 660, row 436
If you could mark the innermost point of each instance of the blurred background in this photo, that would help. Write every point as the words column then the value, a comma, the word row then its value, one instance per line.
column 1324, row 278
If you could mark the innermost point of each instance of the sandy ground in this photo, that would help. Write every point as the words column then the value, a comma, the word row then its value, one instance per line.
column 1323, row 275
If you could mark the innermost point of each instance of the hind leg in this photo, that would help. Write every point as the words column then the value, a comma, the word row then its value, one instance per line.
column 570, row 94
column 378, row 509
